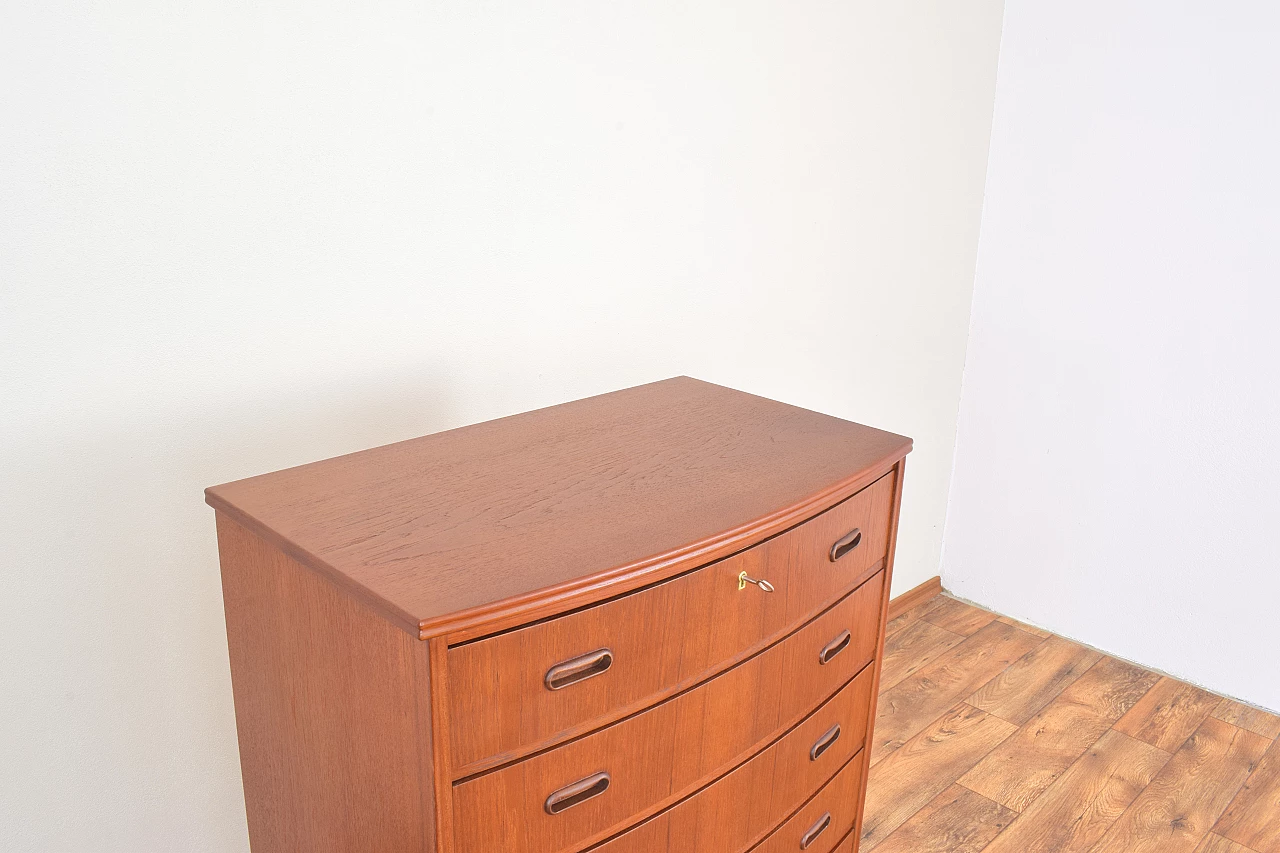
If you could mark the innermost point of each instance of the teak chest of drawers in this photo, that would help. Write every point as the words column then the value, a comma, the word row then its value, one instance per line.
column 645, row 622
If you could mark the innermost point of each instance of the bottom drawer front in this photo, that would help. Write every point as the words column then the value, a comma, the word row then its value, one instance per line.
column 824, row 822
column 737, row 810
column 671, row 750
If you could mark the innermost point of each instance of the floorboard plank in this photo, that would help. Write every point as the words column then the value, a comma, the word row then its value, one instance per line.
column 1074, row 813
column 912, row 649
column 956, row 821
column 917, row 701
column 1180, row 806
column 925, row 766
column 1253, row 818
column 1023, row 626
column 958, row 617
column 1251, row 719
column 1018, row 693
column 912, row 616
column 1026, row 764
column 1168, row 715
column 1217, row 844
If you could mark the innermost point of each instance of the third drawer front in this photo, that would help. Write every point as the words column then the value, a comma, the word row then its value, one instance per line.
column 526, row 689
column 825, row 820
column 740, row 808
column 590, row 788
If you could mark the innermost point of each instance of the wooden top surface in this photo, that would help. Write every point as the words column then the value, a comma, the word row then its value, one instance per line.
column 506, row 519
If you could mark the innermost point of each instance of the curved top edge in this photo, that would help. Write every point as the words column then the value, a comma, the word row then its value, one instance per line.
column 474, row 623
column 473, row 531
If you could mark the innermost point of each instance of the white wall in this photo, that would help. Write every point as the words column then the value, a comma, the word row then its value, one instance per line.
column 236, row 237
column 1118, row 466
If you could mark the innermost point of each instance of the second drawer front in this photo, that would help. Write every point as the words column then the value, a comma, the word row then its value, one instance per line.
column 737, row 810
column 659, row 640
column 671, row 749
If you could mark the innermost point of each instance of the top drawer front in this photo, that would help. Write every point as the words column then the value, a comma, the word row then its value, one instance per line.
column 660, row 640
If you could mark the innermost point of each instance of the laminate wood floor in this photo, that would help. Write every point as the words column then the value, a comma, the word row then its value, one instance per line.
column 995, row 736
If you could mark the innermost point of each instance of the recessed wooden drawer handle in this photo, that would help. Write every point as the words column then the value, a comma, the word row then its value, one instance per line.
column 815, row 830
column 845, row 544
column 578, row 669
column 834, row 647
column 824, row 742
column 579, row 792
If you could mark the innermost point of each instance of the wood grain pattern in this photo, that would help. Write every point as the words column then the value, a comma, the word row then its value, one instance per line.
column 1078, row 783
column 839, row 799
column 956, row 821
column 1253, row 817
column 925, row 766
column 663, row 639
column 906, row 618
column 1023, row 626
column 310, row 667
column 1183, row 802
column 911, row 649
column 910, row 706
column 1167, row 715
column 760, row 793
column 1217, row 844
column 1110, row 688
column 1020, row 769
column 915, row 597
column 1074, row 813
column 467, row 528
column 1250, row 719
column 670, row 750
column 1021, row 691
column 957, row 616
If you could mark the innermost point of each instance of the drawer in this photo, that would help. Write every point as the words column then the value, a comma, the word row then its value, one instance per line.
column 632, row 769
column 524, row 690
column 825, row 820
column 740, row 808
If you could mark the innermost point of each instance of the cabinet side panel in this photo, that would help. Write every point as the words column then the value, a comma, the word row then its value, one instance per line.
column 326, row 708
column 855, row 837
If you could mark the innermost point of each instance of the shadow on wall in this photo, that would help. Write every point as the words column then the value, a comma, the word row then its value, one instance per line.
column 113, row 556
